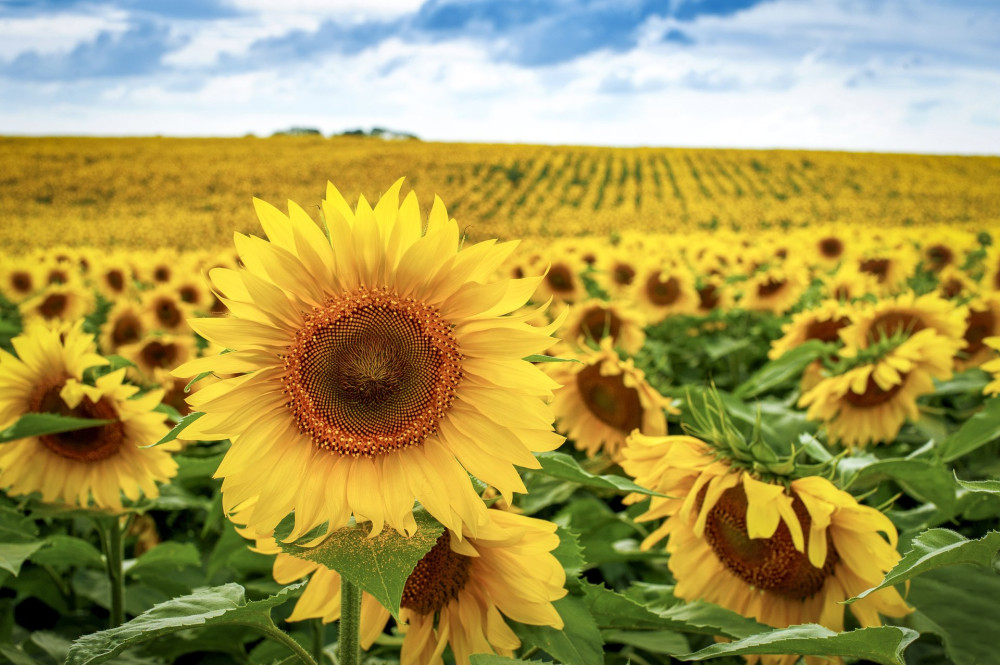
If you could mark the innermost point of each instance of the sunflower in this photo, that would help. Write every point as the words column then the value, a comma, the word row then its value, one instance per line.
column 990, row 279
column 603, row 399
column 890, row 266
column 124, row 326
column 155, row 356
column 829, row 246
column 458, row 594
column 379, row 369
column 164, row 310
column 954, row 283
column 782, row 554
column 112, row 277
column 562, row 281
column 824, row 323
column 713, row 294
column 982, row 321
column 776, row 289
column 19, row 279
column 905, row 315
column 100, row 462
column 847, row 283
column 945, row 247
column 617, row 273
column 992, row 366
column 593, row 320
column 58, row 303
column 189, row 286
column 661, row 290
column 871, row 401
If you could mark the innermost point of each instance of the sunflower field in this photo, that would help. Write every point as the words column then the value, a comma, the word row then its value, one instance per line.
column 531, row 404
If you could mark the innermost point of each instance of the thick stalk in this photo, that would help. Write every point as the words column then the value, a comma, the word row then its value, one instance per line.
column 349, row 643
column 114, row 553
column 319, row 639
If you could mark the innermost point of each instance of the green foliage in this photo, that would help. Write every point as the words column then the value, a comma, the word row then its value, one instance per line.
column 564, row 467
column 39, row 424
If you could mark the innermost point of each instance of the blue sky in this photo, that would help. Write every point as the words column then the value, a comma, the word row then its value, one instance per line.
column 885, row 75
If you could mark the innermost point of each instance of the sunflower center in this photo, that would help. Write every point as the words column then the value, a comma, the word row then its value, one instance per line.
column 826, row 331
column 623, row 274
column 21, row 281
column 58, row 276
column 951, row 288
column 371, row 373
column 158, row 354
column 831, row 248
column 167, row 312
column 663, row 292
column 890, row 324
column 560, row 279
column 980, row 325
column 53, row 306
column 877, row 267
column 115, row 279
column 188, row 294
column 161, row 274
column 873, row 395
column 436, row 579
column 609, row 399
column 127, row 329
column 708, row 297
column 938, row 256
column 92, row 444
column 598, row 323
column 770, row 564
column 770, row 287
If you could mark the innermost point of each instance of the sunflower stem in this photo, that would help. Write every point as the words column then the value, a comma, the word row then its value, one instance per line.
column 278, row 635
column 114, row 554
column 319, row 639
column 349, row 642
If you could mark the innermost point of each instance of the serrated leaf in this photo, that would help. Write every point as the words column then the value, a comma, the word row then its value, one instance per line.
column 569, row 553
column 960, row 605
column 977, row 431
column 982, row 486
column 883, row 644
column 177, row 429
column 578, row 643
column 493, row 659
column 164, row 558
column 564, row 467
column 13, row 555
column 654, row 641
column 787, row 368
column 936, row 548
column 378, row 565
column 920, row 478
column 215, row 606
column 39, row 424
column 68, row 551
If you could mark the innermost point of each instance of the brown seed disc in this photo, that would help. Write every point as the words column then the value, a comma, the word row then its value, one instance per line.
column 161, row 274
column 92, row 444
column 167, row 312
column 623, row 274
column 951, row 288
column 560, row 279
column 770, row 287
column 598, row 323
column 939, row 256
column 979, row 326
column 826, row 331
column 663, row 292
column 873, row 395
column 769, row 564
column 708, row 298
column 126, row 329
column 57, row 276
column 436, row 579
column 157, row 354
column 21, row 282
column 54, row 306
column 188, row 294
column 371, row 373
column 890, row 323
column 831, row 248
column 609, row 399
column 115, row 279
column 877, row 267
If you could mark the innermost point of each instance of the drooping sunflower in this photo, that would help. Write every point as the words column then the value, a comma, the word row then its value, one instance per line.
column 603, row 398
column 782, row 554
column 593, row 320
column 90, row 466
column 57, row 304
column 905, row 315
column 661, row 290
column 379, row 368
column 458, row 594
column 869, row 402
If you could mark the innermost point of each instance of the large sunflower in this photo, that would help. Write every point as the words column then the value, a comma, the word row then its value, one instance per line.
column 458, row 594
column 100, row 462
column 603, row 399
column 905, row 315
column 870, row 401
column 379, row 369
column 782, row 554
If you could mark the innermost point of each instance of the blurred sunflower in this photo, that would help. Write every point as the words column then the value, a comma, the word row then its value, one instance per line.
column 562, row 281
column 96, row 464
column 123, row 326
column 617, row 274
column 58, row 303
column 112, row 277
column 905, row 315
column 992, row 366
column 661, row 290
column 954, row 283
column 713, row 294
column 379, row 369
column 164, row 310
column 156, row 356
column 19, row 279
column 847, row 283
column 776, row 289
column 603, row 399
column 869, row 402
column 890, row 267
column 982, row 321
column 593, row 320
column 823, row 323
column 781, row 553
column 945, row 247
column 829, row 246
column 457, row 595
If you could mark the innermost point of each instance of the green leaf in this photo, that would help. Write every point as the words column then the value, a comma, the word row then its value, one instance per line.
column 538, row 358
column 68, row 551
column 960, row 605
column 936, row 548
column 195, row 380
column 215, row 606
column 920, row 478
column 165, row 557
column 39, row 424
column 578, row 643
column 983, row 486
column 977, row 431
column 16, row 655
column 655, row 641
column 788, row 367
column 378, row 565
column 13, row 555
column 177, row 429
column 564, row 467
column 969, row 382
column 884, row 644
column 569, row 553
column 493, row 659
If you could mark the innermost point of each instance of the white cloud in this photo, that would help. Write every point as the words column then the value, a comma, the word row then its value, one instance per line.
column 58, row 33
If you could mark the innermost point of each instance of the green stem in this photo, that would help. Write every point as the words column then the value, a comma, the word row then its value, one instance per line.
column 278, row 635
column 110, row 533
column 349, row 642
column 319, row 639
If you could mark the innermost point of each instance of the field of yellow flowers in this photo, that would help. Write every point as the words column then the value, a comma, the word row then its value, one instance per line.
column 715, row 404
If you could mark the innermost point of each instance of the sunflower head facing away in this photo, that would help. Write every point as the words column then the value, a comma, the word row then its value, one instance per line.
column 375, row 366
column 782, row 552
